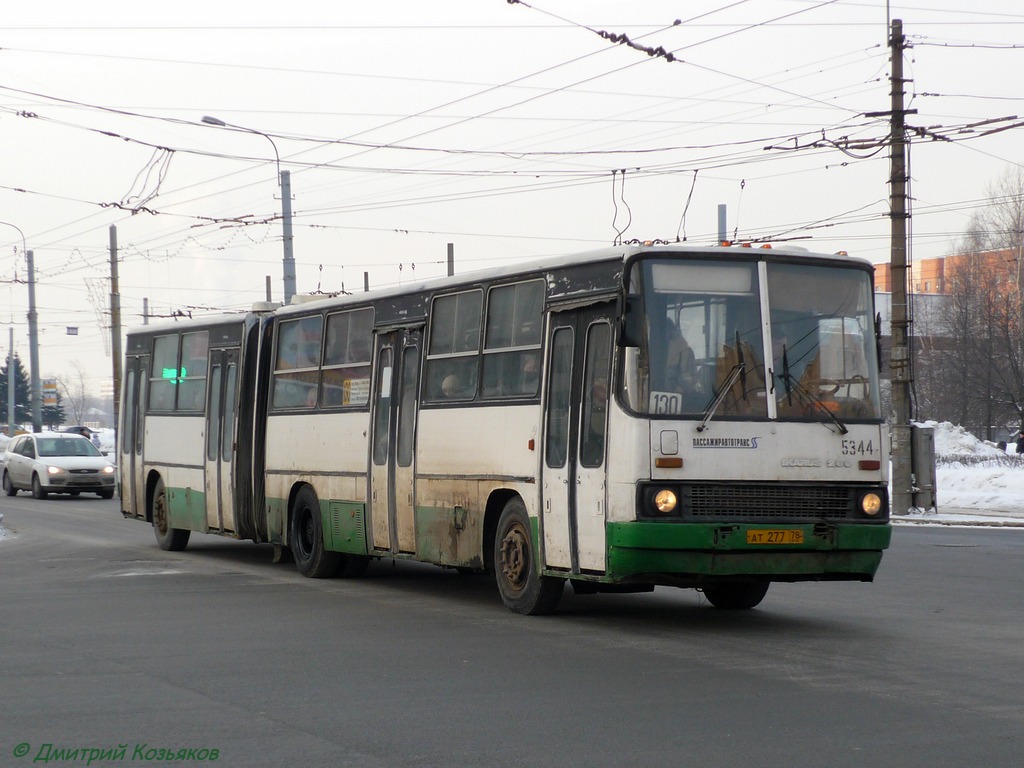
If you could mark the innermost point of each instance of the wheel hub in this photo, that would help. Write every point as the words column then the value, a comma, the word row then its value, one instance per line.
column 515, row 561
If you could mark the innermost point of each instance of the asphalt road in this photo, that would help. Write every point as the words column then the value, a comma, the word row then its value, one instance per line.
column 106, row 642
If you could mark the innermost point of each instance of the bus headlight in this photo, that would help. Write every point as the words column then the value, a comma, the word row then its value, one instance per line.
column 871, row 504
column 665, row 501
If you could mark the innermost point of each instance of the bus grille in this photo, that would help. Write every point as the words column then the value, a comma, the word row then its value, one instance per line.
column 769, row 502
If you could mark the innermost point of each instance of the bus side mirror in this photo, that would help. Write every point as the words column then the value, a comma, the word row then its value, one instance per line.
column 631, row 327
column 878, row 338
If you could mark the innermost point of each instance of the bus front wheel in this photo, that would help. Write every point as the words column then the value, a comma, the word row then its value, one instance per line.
column 523, row 589
column 737, row 596
column 169, row 539
column 307, row 538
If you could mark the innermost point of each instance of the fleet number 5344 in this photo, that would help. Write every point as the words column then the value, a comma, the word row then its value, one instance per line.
column 857, row 447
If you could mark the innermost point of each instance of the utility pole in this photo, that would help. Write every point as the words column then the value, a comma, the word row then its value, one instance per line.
column 33, row 345
column 286, row 230
column 900, row 370
column 115, row 325
column 10, row 383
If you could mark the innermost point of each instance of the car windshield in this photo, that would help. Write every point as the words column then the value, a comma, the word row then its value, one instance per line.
column 65, row 446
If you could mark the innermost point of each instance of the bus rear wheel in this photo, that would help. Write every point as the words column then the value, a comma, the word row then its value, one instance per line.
column 736, row 596
column 307, row 538
column 523, row 589
column 169, row 539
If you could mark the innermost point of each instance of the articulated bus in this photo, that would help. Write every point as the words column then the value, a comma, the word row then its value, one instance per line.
column 647, row 415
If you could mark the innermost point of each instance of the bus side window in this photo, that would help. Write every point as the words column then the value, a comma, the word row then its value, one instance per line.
column 512, row 341
column 454, row 346
column 345, row 380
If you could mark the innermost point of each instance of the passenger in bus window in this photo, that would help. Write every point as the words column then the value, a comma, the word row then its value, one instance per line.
column 450, row 386
column 529, row 375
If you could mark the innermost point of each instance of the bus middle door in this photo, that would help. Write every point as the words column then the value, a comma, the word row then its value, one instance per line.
column 576, row 423
column 392, row 465
column 221, row 410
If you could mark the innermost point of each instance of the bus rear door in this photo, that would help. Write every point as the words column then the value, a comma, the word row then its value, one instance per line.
column 133, row 428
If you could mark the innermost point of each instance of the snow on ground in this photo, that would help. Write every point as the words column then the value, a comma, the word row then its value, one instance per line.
column 975, row 478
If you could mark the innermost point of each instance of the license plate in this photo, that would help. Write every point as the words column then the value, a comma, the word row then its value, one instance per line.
column 774, row 536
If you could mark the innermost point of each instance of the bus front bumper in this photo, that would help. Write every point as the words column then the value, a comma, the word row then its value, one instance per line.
column 689, row 553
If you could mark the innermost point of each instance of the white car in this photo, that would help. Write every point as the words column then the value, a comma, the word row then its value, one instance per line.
column 56, row 462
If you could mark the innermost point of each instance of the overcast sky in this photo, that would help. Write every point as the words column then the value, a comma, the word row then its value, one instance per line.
column 501, row 128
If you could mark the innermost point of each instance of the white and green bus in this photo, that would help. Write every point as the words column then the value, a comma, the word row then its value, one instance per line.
column 646, row 415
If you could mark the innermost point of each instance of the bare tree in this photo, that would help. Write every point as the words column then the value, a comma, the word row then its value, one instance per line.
column 75, row 393
column 983, row 371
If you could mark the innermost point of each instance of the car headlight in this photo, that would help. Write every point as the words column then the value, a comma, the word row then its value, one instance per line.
column 54, row 471
column 665, row 501
column 108, row 470
column 871, row 504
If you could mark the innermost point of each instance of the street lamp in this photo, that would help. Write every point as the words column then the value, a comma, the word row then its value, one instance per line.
column 284, row 181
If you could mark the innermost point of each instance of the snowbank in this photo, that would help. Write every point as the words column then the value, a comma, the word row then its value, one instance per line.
column 973, row 474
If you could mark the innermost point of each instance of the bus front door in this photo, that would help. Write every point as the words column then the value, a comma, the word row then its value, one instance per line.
column 575, row 431
column 133, row 426
column 392, row 491
column 221, row 413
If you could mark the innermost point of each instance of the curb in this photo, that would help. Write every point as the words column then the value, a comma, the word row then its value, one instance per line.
column 1012, row 523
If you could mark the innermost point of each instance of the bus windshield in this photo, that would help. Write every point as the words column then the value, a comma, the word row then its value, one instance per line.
column 707, row 339
column 823, row 344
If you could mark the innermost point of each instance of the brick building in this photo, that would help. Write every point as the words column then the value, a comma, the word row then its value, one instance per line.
column 931, row 276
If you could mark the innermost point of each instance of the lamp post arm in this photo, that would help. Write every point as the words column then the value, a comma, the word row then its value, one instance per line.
column 209, row 120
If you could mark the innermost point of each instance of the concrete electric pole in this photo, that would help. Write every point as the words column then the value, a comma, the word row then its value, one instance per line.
column 900, row 369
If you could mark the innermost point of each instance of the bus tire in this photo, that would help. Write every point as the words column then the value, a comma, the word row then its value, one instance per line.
column 523, row 589
column 169, row 539
column 307, row 538
column 9, row 488
column 737, row 596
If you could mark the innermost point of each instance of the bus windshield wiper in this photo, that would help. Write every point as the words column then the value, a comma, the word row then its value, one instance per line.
column 719, row 395
column 806, row 396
